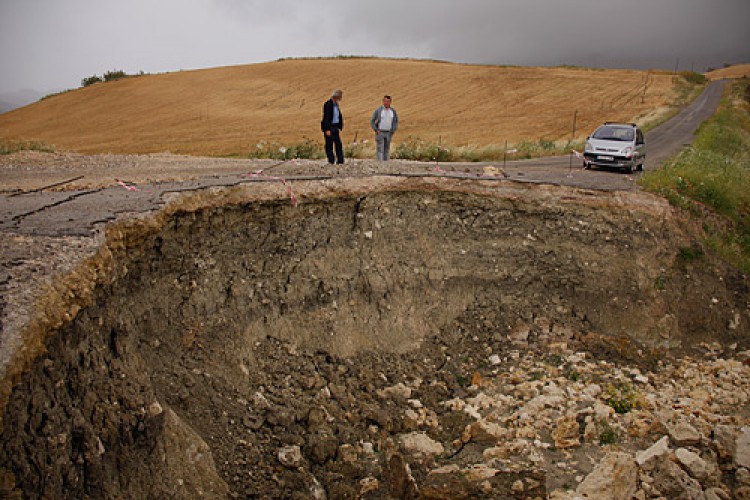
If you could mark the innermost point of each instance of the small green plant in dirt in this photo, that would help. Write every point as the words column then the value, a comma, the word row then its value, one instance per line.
column 622, row 397
column 573, row 375
column 660, row 283
column 607, row 435
column 8, row 147
column 461, row 380
column 687, row 255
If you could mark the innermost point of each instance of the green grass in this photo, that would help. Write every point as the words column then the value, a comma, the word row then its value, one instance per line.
column 417, row 149
column 711, row 179
column 7, row 146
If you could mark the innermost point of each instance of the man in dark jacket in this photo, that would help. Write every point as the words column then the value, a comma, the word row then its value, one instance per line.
column 332, row 125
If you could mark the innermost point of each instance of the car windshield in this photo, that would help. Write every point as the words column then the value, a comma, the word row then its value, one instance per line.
column 610, row 133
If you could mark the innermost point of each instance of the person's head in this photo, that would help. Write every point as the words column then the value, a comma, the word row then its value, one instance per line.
column 387, row 101
column 337, row 95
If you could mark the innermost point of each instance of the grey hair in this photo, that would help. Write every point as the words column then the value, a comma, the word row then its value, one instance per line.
column 337, row 93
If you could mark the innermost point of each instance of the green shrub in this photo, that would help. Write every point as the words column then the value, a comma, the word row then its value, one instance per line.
column 417, row 149
column 90, row 80
column 712, row 178
column 622, row 397
column 307, row 149
column 693, row 77
column 8, row 147
column 607, row 435
column 113, row 75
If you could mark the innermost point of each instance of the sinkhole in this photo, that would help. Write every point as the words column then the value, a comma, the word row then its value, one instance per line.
column 232, row 325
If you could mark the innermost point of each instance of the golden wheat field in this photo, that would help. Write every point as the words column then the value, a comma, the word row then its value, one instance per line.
column 736, row 71
column 226, row 111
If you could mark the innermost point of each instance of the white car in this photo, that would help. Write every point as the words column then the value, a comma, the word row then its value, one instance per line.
column 616, row 145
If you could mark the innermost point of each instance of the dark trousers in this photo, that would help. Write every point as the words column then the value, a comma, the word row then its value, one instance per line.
column 331, row 140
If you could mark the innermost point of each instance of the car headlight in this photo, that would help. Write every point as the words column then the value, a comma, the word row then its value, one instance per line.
column 589, row 147
column 627, row 151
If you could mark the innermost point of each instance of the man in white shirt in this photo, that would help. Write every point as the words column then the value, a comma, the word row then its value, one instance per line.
column 384, row 122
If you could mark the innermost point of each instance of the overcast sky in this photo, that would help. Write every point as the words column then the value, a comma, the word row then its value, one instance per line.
column 52, row 44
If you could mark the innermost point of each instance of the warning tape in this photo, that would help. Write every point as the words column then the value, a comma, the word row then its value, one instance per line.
column 126, row 186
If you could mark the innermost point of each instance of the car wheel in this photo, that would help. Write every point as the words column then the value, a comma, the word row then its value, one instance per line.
column 629, row 169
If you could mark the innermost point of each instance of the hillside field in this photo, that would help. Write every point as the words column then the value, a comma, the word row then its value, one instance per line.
column 229, row 110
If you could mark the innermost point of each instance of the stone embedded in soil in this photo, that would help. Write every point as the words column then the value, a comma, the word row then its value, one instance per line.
column 420, row 445
column 290, row 456
column 692, row 463
column 684, row 434
column 614, row 477
column 673, row 482
column 742, row 448
column 649, row 457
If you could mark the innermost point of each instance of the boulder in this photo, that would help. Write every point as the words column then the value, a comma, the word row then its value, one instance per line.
column 420, row 444
column 724, row 440
column 614, row 477
column 692, row 463
column 482, row 481
column 684, row 434
column 673, row 482
column 567, row 432
column 742, row 448
column 290, row 456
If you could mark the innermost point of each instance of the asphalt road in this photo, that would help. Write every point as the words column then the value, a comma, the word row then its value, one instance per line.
column 78, row 212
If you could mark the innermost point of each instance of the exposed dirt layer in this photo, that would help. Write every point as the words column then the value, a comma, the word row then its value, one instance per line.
column 233, row 344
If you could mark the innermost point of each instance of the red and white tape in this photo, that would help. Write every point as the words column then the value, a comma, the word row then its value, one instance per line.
column 126, row 186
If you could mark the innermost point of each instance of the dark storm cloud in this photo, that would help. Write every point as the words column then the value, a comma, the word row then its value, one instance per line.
column 632, row 33
column 52, row 44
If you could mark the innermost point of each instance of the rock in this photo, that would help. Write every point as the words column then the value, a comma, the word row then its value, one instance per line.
column 290, row 456
column 742, row 476
column 401, row 483
column 592, row 390
column 614, row 477
column 187, row 460
column 420, row 444
column 155, row 409
column 317, row 491
column 321, row 447
column 483, row 431
column 520, row 334
column 482, row 481
column 692, row 463
column 716, row 494
column 399, row 392
column 566, row 433
column 495, row 360
column 647, row 459
column 742, row 448
column 673, row 482
column 725, row 437
column 347, row 454
column 367, row 485
column 684, row 434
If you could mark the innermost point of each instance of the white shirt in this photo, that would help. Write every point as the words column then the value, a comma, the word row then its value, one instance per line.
column 386, row 119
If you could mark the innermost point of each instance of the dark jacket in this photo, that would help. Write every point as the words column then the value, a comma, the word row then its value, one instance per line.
column 326, row 124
